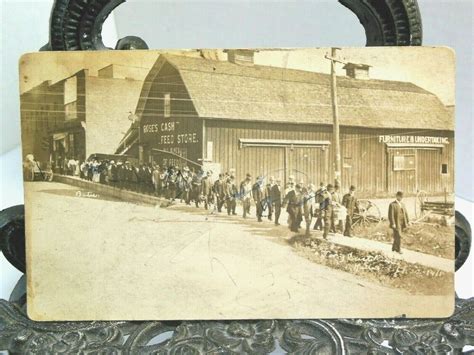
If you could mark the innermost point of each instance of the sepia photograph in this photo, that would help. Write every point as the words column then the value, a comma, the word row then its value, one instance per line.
column 239, row 183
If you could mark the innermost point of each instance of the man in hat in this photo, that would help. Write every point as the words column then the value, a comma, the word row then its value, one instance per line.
column 246, row 194
column 349, row 201
column 318, row 213
column 187, row 184
column 230, row 195
column 206, row 189
column 276, row 199
column 290, row 185
column 327, row 207
column 309, row 195
column 219, row 192
column 293, row 202
column 258, row 194
column 268, row 200
column 398, row 219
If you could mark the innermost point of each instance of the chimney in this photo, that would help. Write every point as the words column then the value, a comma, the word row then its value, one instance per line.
column 357, row 71
column 240, row 56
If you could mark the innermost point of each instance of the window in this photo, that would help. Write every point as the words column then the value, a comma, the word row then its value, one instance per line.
column 444, row 168
column 167, row 105
column 404, row 162
column 70, row 110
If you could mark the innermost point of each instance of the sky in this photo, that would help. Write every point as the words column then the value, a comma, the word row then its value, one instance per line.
column 432, row 68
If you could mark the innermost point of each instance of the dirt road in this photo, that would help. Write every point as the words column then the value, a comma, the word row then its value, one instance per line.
column 95, row 257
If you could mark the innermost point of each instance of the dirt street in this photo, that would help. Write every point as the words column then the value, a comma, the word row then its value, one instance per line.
column 95, row 257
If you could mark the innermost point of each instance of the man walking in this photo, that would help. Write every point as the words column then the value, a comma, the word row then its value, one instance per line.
column 275, row 200
column 246, row 194
column 398, row 219
column 318, row 212
column 219, row 192
column 309, row 195
column 268, row 201
column 293, row 202
column 206, row 189
column 349, row 201
column 230, row 195
column 258, row 194
column 327, row 209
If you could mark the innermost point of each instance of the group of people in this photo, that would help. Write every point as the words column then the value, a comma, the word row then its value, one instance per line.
column 330, row 210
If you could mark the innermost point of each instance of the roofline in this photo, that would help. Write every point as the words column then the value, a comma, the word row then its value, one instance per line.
column 147, row 83
column 169, row 58
column 322, row 124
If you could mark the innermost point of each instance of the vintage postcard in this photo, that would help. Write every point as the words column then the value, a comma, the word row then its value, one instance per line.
column 239, row 183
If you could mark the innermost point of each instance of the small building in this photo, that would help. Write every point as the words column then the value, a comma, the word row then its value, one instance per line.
column 42, row 114
column 79, row 115
column 278, row 122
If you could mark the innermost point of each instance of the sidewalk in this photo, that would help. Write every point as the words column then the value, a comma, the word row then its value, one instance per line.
column 409, row 256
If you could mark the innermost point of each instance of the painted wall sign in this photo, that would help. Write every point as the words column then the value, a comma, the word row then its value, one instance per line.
column 171, row 133
column 413, row 139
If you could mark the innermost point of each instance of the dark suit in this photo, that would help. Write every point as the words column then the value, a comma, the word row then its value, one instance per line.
column 219, row 191
column 398, row 219
column 230, row 195
column 206, row 191
column 268, row 201
column 293, row 201
column 275, row 200
column 328, row 212
column 350, row 203
column 259, row 198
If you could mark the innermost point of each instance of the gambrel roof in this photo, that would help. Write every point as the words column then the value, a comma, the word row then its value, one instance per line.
column 224, row 90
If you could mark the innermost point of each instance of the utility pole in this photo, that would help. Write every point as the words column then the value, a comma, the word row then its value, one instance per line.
column 335, row 115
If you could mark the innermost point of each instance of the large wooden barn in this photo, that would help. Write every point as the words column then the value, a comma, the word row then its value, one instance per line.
column 277, row 122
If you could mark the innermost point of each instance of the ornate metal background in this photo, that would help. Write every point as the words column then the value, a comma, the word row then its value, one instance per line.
column 76, row 25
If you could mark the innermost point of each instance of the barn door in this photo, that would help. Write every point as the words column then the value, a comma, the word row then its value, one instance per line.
column 401, row 172
column 269, row 160
column 429, row 170
column 307, row 164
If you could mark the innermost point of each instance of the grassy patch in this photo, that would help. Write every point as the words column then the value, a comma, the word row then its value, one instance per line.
column 428, row 238
column 375, row 266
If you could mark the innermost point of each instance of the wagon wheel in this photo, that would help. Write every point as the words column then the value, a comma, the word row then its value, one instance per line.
column 420, row 199
column 367, row 213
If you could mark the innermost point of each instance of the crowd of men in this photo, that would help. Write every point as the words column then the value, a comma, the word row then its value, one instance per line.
column 323, row 208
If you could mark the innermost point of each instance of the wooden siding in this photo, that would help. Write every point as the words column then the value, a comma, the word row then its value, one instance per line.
column 269, row 161
column 367, row 162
